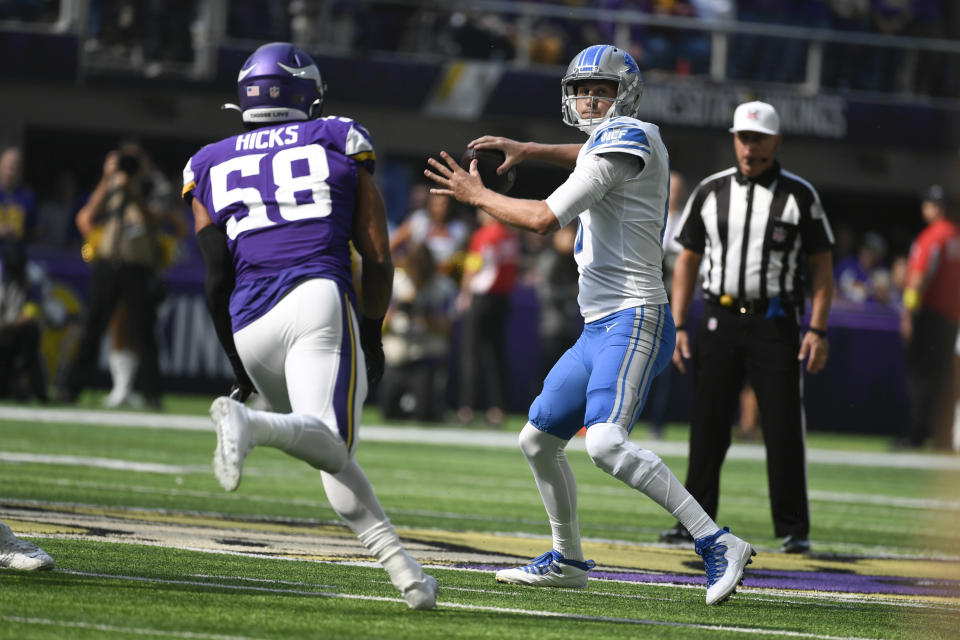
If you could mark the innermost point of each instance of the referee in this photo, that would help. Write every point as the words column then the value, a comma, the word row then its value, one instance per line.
column 753, row 223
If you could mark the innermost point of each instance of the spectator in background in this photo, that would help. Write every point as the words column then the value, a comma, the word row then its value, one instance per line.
column 755, row 57
column 17, row 202
column 485, row 36
column 674, row 50
column 559, row 320
column 846, row 63
column 886, row 68
column 21, row 371
column 854, row 274
column 416, row 338
column 167, row 33
column 956, row 394
column 489, row 276
column 258, row 20
column 886, row 284
column 658, row 397
column 931, row 314
column 435, row 227
column 933, row 67
column 56, row 212
column 123, row 243
column 715, row 9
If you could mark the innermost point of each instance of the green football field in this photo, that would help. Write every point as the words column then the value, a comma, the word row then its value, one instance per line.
column 147, row 545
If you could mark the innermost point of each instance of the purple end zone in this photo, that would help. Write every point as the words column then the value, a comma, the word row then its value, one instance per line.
column 799, row 580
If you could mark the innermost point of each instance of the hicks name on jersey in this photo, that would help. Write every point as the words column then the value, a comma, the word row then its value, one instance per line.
column 267, row 138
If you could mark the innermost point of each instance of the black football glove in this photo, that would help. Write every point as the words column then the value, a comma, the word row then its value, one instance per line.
column 371, row 342
column 242, row 385
column 240, row 392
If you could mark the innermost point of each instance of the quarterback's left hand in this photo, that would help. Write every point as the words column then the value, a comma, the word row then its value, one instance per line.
column 815, row 350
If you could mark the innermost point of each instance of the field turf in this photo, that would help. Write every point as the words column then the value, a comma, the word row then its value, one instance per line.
column 148, row 545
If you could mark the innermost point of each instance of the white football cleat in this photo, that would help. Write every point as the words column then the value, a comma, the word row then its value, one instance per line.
column 724, row 557
column 422, row 594
column 20, row 554
column 233, row 441
column 549, row 570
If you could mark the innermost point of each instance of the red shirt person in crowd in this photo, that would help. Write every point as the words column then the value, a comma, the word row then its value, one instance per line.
column 931, row 314
column 489, row 275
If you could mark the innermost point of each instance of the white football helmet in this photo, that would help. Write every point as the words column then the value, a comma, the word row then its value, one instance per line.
column 602, row 62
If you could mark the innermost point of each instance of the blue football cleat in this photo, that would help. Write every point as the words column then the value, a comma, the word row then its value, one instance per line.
column 549, row 570
column 724, row 556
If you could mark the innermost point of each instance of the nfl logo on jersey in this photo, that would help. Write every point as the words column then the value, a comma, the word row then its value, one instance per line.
column 274, row 92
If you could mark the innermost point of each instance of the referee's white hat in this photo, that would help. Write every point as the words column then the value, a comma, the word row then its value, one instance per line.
column 756, row 116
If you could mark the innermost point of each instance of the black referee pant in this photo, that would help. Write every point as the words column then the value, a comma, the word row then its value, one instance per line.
column 730, row 346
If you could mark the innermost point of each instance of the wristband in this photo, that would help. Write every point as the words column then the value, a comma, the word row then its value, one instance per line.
column 680, row 327
column 820, row 332
column 911, row 299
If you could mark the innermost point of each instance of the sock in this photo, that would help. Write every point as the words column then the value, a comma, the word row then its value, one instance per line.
column 643, row 470
column 123, row 365
column 557, row 486
column 382, row 541
column 127, row 363
column 303, row 436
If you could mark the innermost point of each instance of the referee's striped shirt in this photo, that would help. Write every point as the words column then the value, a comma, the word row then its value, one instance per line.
column 751, row 232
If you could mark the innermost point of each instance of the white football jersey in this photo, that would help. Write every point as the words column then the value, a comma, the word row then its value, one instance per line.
column 622, row 211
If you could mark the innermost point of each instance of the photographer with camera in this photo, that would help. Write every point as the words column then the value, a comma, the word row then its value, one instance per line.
column 121, row 224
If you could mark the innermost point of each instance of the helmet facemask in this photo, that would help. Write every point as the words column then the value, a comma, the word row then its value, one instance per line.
column 573, row 102
column 602, row 62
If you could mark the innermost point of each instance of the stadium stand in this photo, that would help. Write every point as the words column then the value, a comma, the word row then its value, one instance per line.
column 870, row 101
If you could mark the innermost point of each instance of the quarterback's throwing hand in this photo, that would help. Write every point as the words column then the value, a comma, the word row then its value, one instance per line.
column 453, row 180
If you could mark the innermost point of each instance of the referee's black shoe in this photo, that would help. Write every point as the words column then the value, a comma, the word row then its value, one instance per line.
column 794, row 543
column 677, row 535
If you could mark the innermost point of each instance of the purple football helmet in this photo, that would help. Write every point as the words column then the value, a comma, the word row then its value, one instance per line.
column 279, row 83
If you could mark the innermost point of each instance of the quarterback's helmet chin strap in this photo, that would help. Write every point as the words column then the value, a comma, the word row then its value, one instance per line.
column 229, row 106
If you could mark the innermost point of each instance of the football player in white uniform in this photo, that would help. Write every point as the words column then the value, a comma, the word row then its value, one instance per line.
column 619, row 190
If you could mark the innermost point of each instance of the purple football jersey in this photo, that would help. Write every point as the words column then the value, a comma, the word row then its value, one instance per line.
column 285, row 197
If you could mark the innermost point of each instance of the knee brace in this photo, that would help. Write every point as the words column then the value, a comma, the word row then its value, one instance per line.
column 609, row 448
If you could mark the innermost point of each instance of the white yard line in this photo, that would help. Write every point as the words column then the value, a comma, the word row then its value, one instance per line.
column 930, row 504
column 472, row 607
column 110, row 628
column 471, row 437
column 101, row 463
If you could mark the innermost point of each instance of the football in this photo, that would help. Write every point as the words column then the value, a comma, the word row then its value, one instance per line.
column 487, row 162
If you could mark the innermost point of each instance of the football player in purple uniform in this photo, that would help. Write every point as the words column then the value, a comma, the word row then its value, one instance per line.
column 276, row 209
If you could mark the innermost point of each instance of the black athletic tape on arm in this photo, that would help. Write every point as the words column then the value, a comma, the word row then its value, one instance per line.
column 219, row 285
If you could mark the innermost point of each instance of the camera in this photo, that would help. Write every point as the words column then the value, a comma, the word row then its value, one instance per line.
column 128, row 163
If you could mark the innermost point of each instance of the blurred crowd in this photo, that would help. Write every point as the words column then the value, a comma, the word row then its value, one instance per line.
column 445, row 335
column 130, row 226
column 155, row 34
